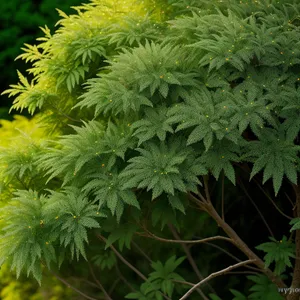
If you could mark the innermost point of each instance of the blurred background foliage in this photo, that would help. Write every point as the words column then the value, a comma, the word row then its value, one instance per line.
column 20, row 21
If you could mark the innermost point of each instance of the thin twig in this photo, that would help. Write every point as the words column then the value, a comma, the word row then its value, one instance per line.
column 196, row 200
column 189, row 257
column 207, row 194
column 256, row 207
column 124, row 279
column 223, row 213
column 141, row 251
column 232, row 256
column 114, row 285
column 70, row 286
column 272, row 201
column 58, row 111
column 106, row 296
column 293, row 204
column 85, row 281
column 192, row 284
column 212, row 238
column 213, row 275
column 242, row 272
column 268, row 196
column 127, row 263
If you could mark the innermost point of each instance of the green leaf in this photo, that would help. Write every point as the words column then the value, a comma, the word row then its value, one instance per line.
column 278, row 252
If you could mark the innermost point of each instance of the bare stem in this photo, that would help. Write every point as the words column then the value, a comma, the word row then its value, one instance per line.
column 256, row 207
column 212, row 238
column 213, row 275
column 192, row 284
column 141, row 251
column 127, row 263
column 106, row 296
column 223, row 213
column 71, row 287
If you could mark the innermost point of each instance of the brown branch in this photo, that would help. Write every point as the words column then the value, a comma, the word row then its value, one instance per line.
column 223, row 213
column 242, row 272
column 207, row 194
column 213, row 275
column 127, row 263
column 212, row 238
column 239, row 243
column 85, row 281
column 192, row 284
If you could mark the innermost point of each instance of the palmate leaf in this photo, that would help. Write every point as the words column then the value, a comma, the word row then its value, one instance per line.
column 220, row 157
column 107, row 189
column 249, row 108
column 159, row 168
column 279, row 252
column 74, row 151
column 27, row 240
column 87, row 49
column 110, row 95
column 199, row 110
column 92, row 142
column 71, row 214
column 155, row 123
column 153, row 67
column 133, row 31
column 275, row 155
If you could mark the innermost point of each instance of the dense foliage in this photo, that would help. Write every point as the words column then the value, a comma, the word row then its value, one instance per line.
column 156, row 103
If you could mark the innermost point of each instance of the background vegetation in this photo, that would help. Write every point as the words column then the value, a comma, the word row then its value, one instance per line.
column 20, row 21
column 206, row 93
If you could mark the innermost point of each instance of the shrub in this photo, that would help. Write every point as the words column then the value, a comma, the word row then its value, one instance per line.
column 157, row 103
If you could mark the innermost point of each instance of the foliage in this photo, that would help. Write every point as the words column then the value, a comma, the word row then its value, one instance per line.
column 153, row 102
column 278, row 252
